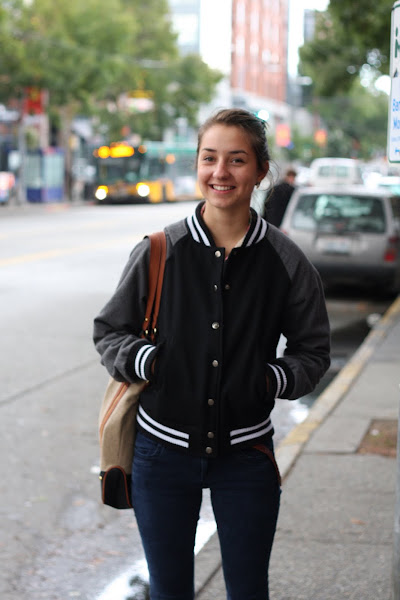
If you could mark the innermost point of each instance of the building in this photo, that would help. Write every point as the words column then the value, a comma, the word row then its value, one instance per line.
column 204, row 27
column 185, row 16
column 259, row 57
column 248, row 41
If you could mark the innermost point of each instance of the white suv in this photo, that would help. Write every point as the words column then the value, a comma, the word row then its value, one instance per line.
column 350, row 234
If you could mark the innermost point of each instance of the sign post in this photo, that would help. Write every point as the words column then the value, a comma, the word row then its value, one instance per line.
column 393, row 140
column 396, row 541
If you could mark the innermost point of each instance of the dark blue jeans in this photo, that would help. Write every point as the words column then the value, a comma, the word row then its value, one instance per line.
column 167, row 491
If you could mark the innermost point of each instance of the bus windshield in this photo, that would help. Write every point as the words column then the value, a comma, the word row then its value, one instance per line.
column 111, row 170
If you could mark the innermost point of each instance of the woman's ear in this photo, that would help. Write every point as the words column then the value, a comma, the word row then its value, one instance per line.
column 263, row 172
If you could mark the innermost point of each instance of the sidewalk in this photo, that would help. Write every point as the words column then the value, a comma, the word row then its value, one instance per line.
column 336, row 526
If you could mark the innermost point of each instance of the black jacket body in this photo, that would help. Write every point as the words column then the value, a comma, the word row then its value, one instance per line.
column 219, row 326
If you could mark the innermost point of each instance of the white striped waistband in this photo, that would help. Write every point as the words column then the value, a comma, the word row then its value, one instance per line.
column 250, row 433
column 173, row 436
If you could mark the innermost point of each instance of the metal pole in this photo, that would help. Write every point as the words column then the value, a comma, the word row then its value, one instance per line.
column 21, row 191
column 396, row 541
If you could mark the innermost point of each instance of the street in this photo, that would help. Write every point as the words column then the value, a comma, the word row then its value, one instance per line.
column 58, row 266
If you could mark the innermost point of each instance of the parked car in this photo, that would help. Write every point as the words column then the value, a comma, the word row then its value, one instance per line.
column 391, row 183
column 350, row 234
column 335, row 171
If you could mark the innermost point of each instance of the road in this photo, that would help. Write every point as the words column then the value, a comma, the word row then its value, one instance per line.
column 58, row 266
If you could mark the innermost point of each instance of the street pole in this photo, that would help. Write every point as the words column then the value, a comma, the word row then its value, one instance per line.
column 396, row 541
column 21, row 192
column 393, row 154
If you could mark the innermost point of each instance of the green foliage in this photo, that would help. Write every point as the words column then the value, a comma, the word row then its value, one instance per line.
column 351, row 42
column 177, row 92
column 328, row 59
column 356, row 122
column 367, row 24
column 75, row 51
column 303, row 148
column 12, row 51
column 348, row 36
column 192, row 82
column 87, row 54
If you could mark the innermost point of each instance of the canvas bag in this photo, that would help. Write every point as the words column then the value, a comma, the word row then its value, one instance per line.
column 118, row 410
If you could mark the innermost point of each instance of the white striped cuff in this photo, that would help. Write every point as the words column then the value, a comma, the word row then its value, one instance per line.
column 281, row 379
column 144, row 359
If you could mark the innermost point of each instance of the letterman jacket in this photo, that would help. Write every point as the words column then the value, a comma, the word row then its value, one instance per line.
column 216, row 374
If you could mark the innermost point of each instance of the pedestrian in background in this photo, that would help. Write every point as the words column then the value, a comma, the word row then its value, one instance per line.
column 232, row 285
column 278, row 197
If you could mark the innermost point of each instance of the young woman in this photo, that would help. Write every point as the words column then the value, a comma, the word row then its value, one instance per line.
column 232, row 285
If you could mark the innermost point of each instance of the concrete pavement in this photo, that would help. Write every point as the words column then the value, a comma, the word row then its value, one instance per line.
column 335, row 536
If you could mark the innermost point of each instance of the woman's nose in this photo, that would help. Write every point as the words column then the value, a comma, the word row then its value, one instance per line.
column 220, row 169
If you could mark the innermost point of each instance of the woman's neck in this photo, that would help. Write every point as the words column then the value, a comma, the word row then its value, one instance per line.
column 227, row 228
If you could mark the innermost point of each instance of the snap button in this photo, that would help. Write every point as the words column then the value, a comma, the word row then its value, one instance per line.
column 227, row 286
column 210, row 402
column 210, row 435
column 215, row 325
column 218, row 253
column 209, row 450
column 215, row 288
column 215, row 363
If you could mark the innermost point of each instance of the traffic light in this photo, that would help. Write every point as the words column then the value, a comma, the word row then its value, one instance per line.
column 263, row 114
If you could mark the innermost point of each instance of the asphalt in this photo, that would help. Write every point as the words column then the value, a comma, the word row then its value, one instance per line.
column 338, row 534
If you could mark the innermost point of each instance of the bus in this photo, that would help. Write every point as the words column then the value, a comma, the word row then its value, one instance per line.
column 152, row 172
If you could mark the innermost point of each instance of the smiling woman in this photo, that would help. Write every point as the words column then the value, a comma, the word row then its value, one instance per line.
column 232, row 284
column 232, row 159
column 227, row 173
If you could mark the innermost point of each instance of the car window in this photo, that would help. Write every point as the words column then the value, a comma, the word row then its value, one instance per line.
column 339, row 172
column 324, row 171
column 335, row 213
column 342, row 171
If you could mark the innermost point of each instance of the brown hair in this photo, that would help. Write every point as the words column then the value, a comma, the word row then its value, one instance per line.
column 249, row 123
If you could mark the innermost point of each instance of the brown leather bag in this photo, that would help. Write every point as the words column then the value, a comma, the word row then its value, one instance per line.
column 117, row 419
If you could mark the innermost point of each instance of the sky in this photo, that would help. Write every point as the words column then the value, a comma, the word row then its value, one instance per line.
column 296, row 8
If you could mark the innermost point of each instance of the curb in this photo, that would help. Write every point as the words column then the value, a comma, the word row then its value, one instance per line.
column 208, row 561
column 292, row 445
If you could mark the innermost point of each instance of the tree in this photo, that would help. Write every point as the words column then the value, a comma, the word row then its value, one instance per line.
column 87, row 55
column 75, row 52
column 366, row 23
column 350, row 50
column 349, row 37
column 356, row 122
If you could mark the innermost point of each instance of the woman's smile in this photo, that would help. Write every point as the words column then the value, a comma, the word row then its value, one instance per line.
column 222, row 188
column 227, row 167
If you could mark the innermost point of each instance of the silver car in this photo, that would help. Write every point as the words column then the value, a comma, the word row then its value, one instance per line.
column 350, row 234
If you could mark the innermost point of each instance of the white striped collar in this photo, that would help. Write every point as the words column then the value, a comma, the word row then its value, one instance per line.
column 202, row 235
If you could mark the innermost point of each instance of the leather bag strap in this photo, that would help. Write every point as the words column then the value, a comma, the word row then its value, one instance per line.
column 158, row 252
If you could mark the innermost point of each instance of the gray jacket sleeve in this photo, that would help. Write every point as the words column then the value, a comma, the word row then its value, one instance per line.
column 305, row 324
column 117, row 329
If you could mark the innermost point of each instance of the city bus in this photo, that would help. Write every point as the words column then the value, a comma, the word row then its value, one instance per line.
column 152, row 172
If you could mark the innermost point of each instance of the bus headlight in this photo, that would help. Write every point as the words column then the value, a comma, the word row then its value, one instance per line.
column 143, row 190
column 101, row 192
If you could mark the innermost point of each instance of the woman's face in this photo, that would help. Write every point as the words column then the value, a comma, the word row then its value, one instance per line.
column 227, row 167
